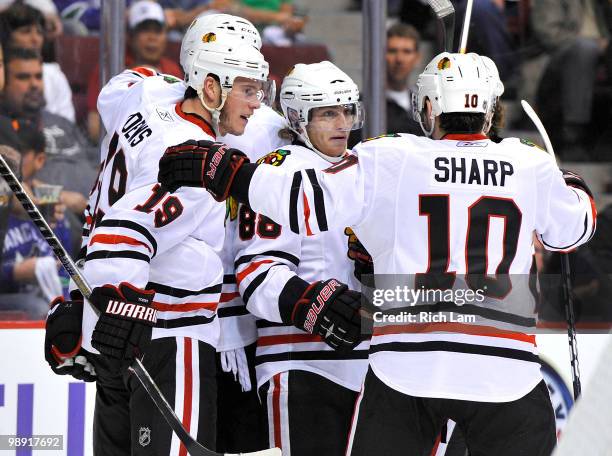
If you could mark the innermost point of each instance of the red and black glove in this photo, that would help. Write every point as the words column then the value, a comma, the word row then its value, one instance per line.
column 123, row 330
column 358, row 253
column 328, row 308
column 574, row 180
column 63, row 338
column 205, row 164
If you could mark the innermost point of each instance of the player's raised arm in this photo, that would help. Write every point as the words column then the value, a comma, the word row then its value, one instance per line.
column 308, row 201
column 568, row 214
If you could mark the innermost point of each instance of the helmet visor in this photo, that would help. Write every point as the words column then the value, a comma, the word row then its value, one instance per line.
column 254, row 90
column 345, row 117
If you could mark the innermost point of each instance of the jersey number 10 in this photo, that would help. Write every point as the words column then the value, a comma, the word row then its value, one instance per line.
column 437, row 210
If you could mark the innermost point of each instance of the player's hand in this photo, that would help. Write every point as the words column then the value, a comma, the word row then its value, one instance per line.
column 328, row 308
column 358, row 253
column 574, row 180
column 206, row 164
column 63, row 349
column 123, row 330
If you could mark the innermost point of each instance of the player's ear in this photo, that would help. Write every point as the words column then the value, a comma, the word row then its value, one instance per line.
column 212, row 91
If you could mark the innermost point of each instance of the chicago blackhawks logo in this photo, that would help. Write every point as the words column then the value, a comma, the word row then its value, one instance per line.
column 275, row 158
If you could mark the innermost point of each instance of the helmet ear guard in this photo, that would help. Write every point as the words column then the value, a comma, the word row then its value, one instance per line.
column 465, row 83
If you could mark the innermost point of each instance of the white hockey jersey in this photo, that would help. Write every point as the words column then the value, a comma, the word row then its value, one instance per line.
column 267, row 257
column 450, row 207
column 137, row 232
column 237, row 324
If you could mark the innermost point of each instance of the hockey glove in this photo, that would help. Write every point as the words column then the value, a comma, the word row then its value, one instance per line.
column 63, row 337
column 358, row 253
column 328, row 308
column 201, row 164
column 123, row 330
column 574, row 180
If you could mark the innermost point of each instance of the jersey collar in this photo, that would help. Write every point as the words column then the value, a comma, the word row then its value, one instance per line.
column 196, row 120
column 465, row 137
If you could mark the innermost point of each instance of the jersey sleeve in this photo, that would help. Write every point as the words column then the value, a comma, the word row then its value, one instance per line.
column 566, row 215
column 310, row 201
column 144, row 223
column 267, row 256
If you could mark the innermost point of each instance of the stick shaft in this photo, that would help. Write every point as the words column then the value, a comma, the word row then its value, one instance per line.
column 466, row 27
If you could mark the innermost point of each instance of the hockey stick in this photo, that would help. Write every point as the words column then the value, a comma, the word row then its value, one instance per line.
column 466, row 27
column 565, row 270
column 193, row 447
column 445, row 12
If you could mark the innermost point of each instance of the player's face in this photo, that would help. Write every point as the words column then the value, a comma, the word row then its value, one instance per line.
column 401, row 57
column 28, row 37
column 329, row 128
column 242, row 101
column 148, row 43
column 24, row 86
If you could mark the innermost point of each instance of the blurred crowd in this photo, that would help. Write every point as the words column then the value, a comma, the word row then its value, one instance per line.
column 554, row 53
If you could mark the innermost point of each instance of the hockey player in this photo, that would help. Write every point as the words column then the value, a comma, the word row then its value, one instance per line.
column 303, row 383
column 442, row 207
column 240, row 423
column 153, row 258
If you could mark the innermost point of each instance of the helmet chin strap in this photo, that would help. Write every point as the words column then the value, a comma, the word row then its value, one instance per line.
column 215, row 113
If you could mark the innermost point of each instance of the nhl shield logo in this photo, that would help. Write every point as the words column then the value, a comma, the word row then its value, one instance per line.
column 144, row 436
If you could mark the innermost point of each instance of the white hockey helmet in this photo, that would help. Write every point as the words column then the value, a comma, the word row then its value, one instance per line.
column 314, row 85
column 467, row 83
column 228, row 47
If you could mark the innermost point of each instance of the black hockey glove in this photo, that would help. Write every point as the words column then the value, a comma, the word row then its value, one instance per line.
column 574, row 180
column 204, row 164
column 123, row 330
column 328, row 308
column 358, row 253
column 63, row 338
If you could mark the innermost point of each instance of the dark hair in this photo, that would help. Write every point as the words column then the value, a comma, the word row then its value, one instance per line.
column 18, row 15
column 31, row 139
column 11, row 54
column 405, row 31
column 461, row 122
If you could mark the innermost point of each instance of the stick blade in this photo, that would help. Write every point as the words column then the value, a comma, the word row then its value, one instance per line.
column 441, row 8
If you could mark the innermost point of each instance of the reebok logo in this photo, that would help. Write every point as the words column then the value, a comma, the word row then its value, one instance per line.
column 215, row 160
column 132, row 311
column 319, row 303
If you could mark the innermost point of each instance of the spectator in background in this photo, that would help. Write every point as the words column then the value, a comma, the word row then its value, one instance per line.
column 147, row 40
column 23, row 27
column 29, row 273
column 402, row 56
column 574, row 36
column 277, row 20
column 489, row 35
column 71, row 162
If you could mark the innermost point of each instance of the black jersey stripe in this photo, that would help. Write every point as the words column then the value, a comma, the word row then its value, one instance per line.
column 586, row 225
column 467, row 309
column 319, row 201
column 105, row 254
column 316, row 355
column 270, row 324
column 253, row 286
column 233, row 311
column 180, row 292
column 184, row 321
column 273, row 253
column 113, row 223
column 456, row 347
column 229, row 278
column 293, row 202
